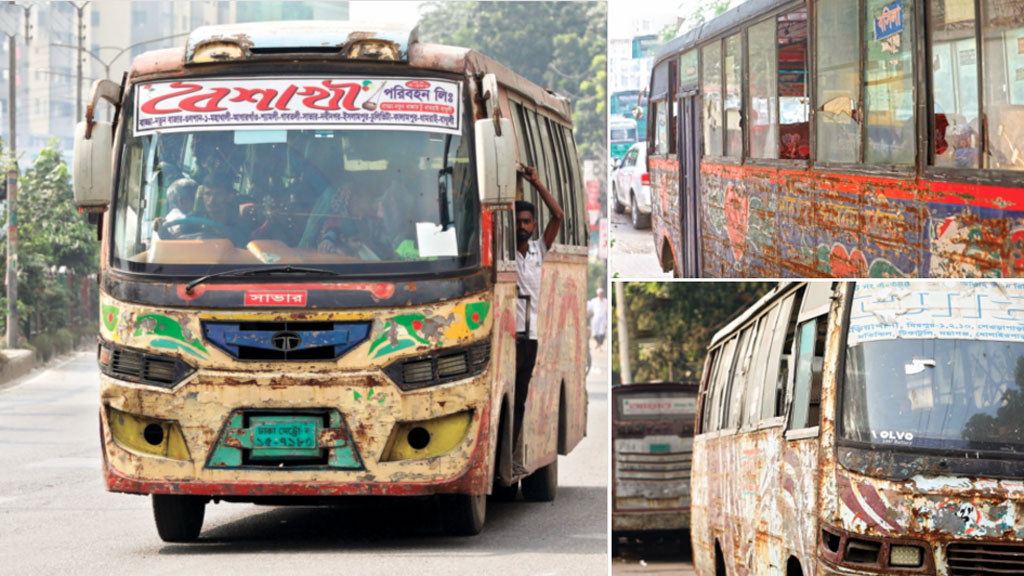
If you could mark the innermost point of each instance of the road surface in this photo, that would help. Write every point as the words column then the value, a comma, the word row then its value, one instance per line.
column 631, row 255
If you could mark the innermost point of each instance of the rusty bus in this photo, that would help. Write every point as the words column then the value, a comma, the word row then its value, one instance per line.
column 868, row 428
column 308, row 281
column 841, row 138
column 652, row 439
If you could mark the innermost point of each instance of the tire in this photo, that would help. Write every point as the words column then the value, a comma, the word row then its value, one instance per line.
column 178, row 518
column 542, row 485
column 619, row 206
column 463, row 514
column 640, row 221
column 501, row 493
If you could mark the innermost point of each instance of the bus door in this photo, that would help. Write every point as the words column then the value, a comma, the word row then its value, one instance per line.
column 688, row 132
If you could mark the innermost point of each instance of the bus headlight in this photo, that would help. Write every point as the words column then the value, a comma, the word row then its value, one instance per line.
column 905, row 556
column 427, row 438
column 147, row 435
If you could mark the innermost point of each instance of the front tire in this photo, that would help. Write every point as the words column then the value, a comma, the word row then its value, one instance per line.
column 463, row 514
column 542, row 485
column 178, row 518
column 505, row 493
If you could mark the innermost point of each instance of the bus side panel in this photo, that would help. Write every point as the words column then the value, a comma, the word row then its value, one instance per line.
column 503, row 363
column 739, row 221
column 665, row 219
column 798, row 501
column 974, row 241
column 561, row 357
column 762, row 492
column 701, row 529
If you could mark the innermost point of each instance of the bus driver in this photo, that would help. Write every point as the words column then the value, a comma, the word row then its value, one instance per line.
column 529, row 259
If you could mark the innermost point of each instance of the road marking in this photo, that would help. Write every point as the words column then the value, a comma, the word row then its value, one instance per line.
column 72, row 462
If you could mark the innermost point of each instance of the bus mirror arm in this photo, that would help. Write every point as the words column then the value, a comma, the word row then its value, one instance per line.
column 92, row 170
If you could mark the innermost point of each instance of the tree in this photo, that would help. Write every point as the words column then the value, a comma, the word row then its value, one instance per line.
column 559, row 45
column 676, row 321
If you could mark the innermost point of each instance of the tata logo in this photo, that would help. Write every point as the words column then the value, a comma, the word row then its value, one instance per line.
column 286, row 341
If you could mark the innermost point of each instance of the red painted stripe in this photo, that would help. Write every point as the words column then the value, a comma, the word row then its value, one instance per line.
column 379, row 290
column 850, row 499
column 870, row 495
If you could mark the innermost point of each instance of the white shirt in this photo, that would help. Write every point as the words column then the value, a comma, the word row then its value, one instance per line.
column 528, row 284
column 598, row 309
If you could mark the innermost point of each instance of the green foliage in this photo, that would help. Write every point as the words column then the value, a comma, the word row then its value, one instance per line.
column 597, row 276
column 43, row 345
column 671, row 324
column 64, row 340
column 559, row 45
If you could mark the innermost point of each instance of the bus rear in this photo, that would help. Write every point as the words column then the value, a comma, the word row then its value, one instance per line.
column 652, row 434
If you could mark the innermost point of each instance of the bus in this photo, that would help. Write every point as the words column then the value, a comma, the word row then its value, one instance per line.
column 841, row 138
column 864, row 428
column 308, row 280
column 621, row 135
column 625, row 102
column 652, row 440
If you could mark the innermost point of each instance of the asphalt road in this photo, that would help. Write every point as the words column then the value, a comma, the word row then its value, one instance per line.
column 632, row 251
column 656, row 556
column 56, row 517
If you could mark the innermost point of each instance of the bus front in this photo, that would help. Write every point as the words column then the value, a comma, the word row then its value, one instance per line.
column 927, row 472
column 293, row 296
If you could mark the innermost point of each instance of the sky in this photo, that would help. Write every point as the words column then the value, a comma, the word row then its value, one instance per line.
column 401, row 12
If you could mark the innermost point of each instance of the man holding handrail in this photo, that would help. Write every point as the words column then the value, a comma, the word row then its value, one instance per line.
column 529, row 260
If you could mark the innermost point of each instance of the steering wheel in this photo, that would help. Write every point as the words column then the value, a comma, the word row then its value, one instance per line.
column 193, row 226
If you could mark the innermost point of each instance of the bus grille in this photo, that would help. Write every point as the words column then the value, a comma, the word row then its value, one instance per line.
column 652, row 467
column 982, row 559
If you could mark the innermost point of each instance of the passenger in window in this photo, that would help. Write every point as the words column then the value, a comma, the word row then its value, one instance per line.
column 181, row 199
column 219, row 205
column 530, row 256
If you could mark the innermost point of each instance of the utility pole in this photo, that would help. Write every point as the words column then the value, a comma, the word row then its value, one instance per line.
column 12, row 188
column 625, row 371
column 80, row 8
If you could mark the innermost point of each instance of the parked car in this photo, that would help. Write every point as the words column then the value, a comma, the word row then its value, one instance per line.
column 632, row 185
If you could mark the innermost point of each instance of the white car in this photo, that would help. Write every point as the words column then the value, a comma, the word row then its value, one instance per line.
column 631, row 185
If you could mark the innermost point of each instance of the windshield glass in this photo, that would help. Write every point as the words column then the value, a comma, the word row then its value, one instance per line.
column 381, row 186
column 935, row 366
column 621, row 134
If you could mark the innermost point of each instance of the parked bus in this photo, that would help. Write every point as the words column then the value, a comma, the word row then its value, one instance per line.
column 868, row 428
column 621, row 135
column 308, row 281
column 842, row 138
column 625, row 102
column 652, row 439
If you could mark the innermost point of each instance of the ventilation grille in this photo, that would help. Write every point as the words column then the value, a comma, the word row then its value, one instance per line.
column 982, row 559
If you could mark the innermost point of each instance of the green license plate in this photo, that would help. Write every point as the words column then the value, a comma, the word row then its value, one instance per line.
column 659, row 448
column 275, row 437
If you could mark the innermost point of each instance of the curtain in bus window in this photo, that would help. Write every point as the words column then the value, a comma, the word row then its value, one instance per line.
column 733, row 96
column 763, row 89
column 954, row 68
column 1004, row 84
column 711, row 62
column 794, row 105
column 889, row 82
column 838, row 88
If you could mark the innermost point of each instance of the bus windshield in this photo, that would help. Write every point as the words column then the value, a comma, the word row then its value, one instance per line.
column 950, row 394
column 623, row 133
column 355, row 200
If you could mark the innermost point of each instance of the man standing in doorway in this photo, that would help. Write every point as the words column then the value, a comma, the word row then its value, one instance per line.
column 529, row 259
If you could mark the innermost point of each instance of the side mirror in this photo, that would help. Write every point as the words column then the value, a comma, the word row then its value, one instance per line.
column 495, row 162
column 92, row 170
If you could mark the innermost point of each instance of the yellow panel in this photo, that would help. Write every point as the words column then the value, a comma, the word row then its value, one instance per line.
column 127, row 430
column 446, row 433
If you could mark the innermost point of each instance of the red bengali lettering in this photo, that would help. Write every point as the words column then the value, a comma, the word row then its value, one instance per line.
column 275, row 298
column 211, row 99
column 267, row 96
column 150, row 106
column 417, row 84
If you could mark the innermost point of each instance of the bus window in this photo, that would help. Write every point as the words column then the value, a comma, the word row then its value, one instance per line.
column 778, row 360
column 954, row 69
column 794, row 105
column 889, row 83
column 711, row 67
column 733, row 96
column 1003, row 74
column 759, row 364
column 810, row 360
column 721, row 383
column 762, row 104
column 661, row 127
column 688, row 71
column 838, row 92
column 709, row 377
column 734, row 401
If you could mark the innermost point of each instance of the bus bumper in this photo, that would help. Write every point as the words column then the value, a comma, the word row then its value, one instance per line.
column 651, row 520
column 370, row 412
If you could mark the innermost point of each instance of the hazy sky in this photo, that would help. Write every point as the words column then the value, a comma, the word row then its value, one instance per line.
column 401, row 11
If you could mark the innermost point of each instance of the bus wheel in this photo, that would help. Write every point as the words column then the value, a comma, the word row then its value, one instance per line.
column 178, row 518
column 504, row 493
column 463, row 514
column 542, row 485
column 619, row 206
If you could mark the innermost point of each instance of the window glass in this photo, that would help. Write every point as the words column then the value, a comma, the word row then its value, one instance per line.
column 1004, row 84
column 661, row 127
column 778, row 361
column 759, row 363
column 688, row 70
column 733, row 96
column 954, row 69
column 722, row 379
column 709, row 379
column 889, row 83
column 809, row 367
column 794, row 104
column 763, row 90
column 735, row 408
column 711, row 62
column 838, row 53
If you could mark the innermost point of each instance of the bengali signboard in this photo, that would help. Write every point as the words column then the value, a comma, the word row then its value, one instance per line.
column 276, row 102
column 955, row 310
column 663, row 406
column 890, row 21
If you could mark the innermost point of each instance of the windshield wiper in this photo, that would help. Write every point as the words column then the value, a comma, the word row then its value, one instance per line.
column 255, row 271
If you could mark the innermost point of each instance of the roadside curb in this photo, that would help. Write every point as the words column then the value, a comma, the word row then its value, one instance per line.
column 21, row 365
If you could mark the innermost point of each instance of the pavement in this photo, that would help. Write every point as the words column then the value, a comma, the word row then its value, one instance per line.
column 56, row 517
column 632, row 255
column 654, row 556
